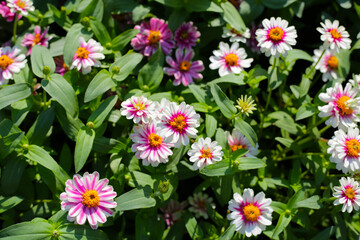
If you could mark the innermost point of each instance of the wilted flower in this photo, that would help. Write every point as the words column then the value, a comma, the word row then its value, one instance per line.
column 245, row 105
column 10, row 62
column 250, row 214
column 37, row 38
column 173, row 212
column 334, row 36
column 328, row 63
column 6, row 13
column 235, row 35
column 186, row 36
column 237, row 141
column 347, row 194
column 61, row 67
column 138, row 108
column 205, row 152
column 88, row 198
column 198, row 204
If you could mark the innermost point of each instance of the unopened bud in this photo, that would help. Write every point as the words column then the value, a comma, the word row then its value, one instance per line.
column 46, row 70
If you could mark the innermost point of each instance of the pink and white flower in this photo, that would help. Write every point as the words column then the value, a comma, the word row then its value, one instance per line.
column 342, row 107
column 88, row 198
column 347, row 194
column 334, row 36
column 61, row 67
column 250, row 214
column 37, row 38
column 159, row 108
column 229, row 59
column 173, row 212
column 179, row 122
column 138, row 108
column 328, row 64
column 183, row 69
column 6, row 13
column 150, row 145
column 186, row 36
column 151, row 35
column 11, row 61
column 198, row 204
column 21, row 6
column 235, row 35
column 355, row 82
column 237, row 140
column 205, row 152
column 276, row 38
column 87, row 55
column 344, row 148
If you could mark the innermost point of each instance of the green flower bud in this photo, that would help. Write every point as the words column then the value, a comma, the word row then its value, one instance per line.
column 90, row 125
column 163, row 186
column 115, row 70
column 108, row 45
column 85, row 21
column 46, row 70
column 55, row 234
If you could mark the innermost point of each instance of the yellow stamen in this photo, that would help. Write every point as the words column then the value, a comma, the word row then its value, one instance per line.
column 155, row 140
column 341, row 104
column 350, row 193
column 139, row 106
column 5, row 61
column 178, row 123
column 82, row 53
column 184, row 66
column 333, row 62
column 154, row 37
column 65, row 67
column 206, row 153
column 251, row 212
column 335, row 34
column 37, row 39
column 20, row 4
column 276, row 34
column 90, row 198
column 231, row 59
column 236, row 147
column 352, row 147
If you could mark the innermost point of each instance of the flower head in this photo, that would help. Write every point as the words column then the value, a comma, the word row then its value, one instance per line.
column 22, row 6
column 229, row 59
column 342, row 106
column 334, row 36
column 245, row 105
column 276, row 38
column 235, row 35
column 151, row 35
column 204, row 152
column 356, row 82
column 61, row 67
column 88, row 198
column 237, row 140
column 173, row 212
column 10, row 62
column 347, row 194
column 183, row 69
column 250, row 214
column 6, row 13
column 186, row 36
column 37, row 38
column 198, row 204
column 328, row 63
column 87, row 55
column 138, row 108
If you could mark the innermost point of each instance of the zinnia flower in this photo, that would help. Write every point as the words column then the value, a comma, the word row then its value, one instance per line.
column 10, row 62
column 276, row 38
column 198, row 204
column 250, row 214
column 344, row 148
column 88, row 198
column 37, row 38
column 342, row 106
column 61, row 67
column 138, row 108
column 245, row 105
column 235, row 35
column 328, row 63
column 356, row 82
column 347, row 194
column 150, row 145
column 186, row 36
column 237, row 140
column 87, row 55
column 173, row 212
column 229, row 59
column 6, row 13
column 151, row 35
column 21, row 6
column 183, row 69
column 334, row 36
column 205, row 152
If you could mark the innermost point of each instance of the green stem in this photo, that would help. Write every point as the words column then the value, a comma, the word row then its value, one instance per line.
column 269, row 95
column 15, row 26
column 313, row 67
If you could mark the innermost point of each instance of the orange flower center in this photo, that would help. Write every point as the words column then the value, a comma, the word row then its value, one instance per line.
column 139, row 106
column 65, row 67
column 20, row 4
column 236, row 147
column 335, row 34
column 353, row 147
column 5, row 61
column 205, row 153
column 276, row 34
column 82, row 53
column 154, row 37
column 341, row 104
column 37, row 39
column 90, row 198
column 350, row 193
column 184, row 66
column 231, row 59
column 155, row 140
column 333, row 62
column 251, row 212
column 178, row 123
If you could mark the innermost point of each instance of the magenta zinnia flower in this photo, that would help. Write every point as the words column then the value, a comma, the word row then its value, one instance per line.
column 88, row 198
column 186, row 35
column 10, row 62
column 183, row 69
column 6, row 13
column 151, row 35
column 61, row 67
column 37, row 38
column 140, row 109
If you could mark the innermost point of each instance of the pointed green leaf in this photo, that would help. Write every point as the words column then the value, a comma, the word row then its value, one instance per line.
column 100, row 31
column 126, row 64
column 102, row 111
column 9, row 202
column 135, row 199
column 41, row 57
column 100, row 84
column 14, row 93
column 151, row 74
column 84, row 143
column 229, row 233
column 123, row 39
column 247, row 130
column 28, row 231
column 37, row 132
column 232, row 17
column 225, row 104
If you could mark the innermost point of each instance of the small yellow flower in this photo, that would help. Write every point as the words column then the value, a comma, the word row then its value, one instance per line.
column 246, row 104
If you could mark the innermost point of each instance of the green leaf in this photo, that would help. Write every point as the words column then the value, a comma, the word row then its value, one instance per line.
column 220, row 168
column 20, row 109
column 38, row 131
column 28, row 231
column 9, row 202
column 276, row 78
column 14, row 93
column 135, row 199
column 232, row 17
column 325, row 234
column 229, row 233
column 277, row 4
column 58, row 88
column 70, row 125
column 12, row 173
column 80, row 232
column 306, row 110
column 284, row 220
column 297, row 54
column 345, row 3
column 98, row 85
column 312, row 202
column 230, row 78
column 203, row 6
column 210, row 125
column 41, row 57
column 123, row 39
column 24, row 76
column 100, row 31
column 193, row 227
column 95, row 9
column 171, row 3
column 9, row 143
column 246, row 163
column 151, row 74
column 246, row 130
column 140, row 12
column 178, row 154
column 198, row 92
column 177, row 17
column 99, row 115
column 225, row 104
column 278, row 207
column 84, row 142
column 60, row 17
column 126, row 64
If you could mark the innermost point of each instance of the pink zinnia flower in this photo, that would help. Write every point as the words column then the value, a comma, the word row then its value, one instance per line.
column 87, row 55
column 37, row 38
column 173, row 212
column 88, row 198
column 10, row 62
column 237, row 140
column 6, row 13
column 151, row 35
column 334, row 36
column 138, row 108
column 61, row 67
column 183, row 69
column 186, row 35
column 348, row 194
column 21, row 6
column 198, row 204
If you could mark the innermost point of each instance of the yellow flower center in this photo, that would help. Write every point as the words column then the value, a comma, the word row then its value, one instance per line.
column 65, row 67
column 341, row 104
column 154, row 37
column 5, row 61
column 20, row 4
column 353, row 147
column 178, row 123
column 206, row 153
column 236, row 147
column 139, row 106
column 251, row 212
column 335, row 34
column 155, row 140
column 231, row 59
column 276, row 34
column 90, row 198
column 82, row 53
column 350, row 193
column 37, row 39
column 184, row 66
column 184, row 35
column 333, row 62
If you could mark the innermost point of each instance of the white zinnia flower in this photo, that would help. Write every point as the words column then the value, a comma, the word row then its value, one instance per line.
column 11, row 61
column 328, row 64
column 347, row 194
column 21, row 6
column 198, row 204
column 236, row 36
column 204, row 152
column 138, row 108
column 334, row 36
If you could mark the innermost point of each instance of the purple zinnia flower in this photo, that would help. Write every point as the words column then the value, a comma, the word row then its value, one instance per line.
column 61, row 67
column 37, row 38
column 186, row 35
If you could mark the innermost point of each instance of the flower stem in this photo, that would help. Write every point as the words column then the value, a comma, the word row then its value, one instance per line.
column 313, row 67
column 15, row 25
column 269, row 95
